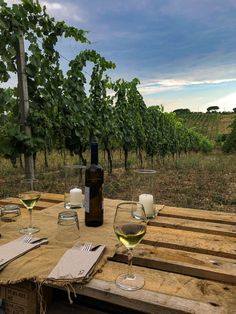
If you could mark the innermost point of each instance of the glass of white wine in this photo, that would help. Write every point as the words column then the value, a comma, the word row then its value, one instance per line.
column 130, row 231
column 29, row 197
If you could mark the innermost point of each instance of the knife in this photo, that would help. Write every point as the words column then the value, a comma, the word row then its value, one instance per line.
column 40, row 241
column 95, row 248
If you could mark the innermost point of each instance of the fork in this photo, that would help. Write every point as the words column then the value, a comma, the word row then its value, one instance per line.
column 27, row 238
column 87, row 246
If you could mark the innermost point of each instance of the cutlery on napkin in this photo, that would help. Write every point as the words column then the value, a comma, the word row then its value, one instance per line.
column 76, row 263
column 14, row 249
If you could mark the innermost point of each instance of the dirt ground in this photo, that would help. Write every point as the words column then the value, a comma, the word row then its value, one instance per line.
column 196, row 181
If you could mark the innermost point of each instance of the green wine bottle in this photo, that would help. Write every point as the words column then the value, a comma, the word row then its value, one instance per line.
column 94, row 178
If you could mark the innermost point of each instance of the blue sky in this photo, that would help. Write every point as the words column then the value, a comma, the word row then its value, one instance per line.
column 182, row 51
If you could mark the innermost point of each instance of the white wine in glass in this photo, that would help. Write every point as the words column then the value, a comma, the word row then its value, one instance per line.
column 29, row 197
column 130, row 231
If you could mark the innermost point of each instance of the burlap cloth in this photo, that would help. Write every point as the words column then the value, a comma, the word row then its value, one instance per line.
column 38, row 263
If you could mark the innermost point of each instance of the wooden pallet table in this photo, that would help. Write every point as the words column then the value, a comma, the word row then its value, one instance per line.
column 188, row 259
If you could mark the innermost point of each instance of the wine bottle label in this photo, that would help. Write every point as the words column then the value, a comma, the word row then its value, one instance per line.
column 87, row 198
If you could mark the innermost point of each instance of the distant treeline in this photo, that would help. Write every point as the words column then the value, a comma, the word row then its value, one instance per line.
column 213, row 109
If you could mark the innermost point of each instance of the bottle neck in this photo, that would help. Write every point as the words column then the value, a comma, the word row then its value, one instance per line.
column 94, row 153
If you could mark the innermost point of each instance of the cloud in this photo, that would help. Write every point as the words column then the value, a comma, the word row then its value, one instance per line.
column 65, row 10
column 156, row 89
column 172, row 84
column 60, row 10
column 52, row 6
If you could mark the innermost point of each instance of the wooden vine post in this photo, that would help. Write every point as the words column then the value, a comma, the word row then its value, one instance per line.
column 24, row 101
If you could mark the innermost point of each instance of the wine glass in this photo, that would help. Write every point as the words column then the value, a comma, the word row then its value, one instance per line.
column 130, row 231
column 29, row 197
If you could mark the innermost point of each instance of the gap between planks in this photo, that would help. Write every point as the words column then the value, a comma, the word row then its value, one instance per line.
column 222, row 221
column 210, row 269
column 200, row 226
column 189, row 249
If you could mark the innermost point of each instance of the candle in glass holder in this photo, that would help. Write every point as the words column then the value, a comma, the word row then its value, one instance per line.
column 147, row 201
column 75, row 196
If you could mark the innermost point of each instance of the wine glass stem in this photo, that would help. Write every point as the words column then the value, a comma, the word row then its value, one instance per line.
column 30, row 217
column 130, row 262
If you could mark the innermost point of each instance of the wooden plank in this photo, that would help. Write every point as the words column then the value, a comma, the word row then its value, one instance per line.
column 50, row 201
column 192, row 264
column 220, row 296
column 198, row 215
column 43, row 205
column 216, row 245
column 144, row 300
column 189, row 213
column 195, row 226
column 52, row 197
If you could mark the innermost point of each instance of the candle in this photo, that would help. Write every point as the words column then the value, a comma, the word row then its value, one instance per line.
column 147, row 201
column 75, row 196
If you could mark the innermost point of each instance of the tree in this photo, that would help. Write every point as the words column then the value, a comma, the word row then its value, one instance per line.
column 230, row 142
column 182, row 111
column 103, row 123
column 11, row 137
column 124, row 118
column 153, row 131
column 234, row 110
column 136, row 101
column 212, row 108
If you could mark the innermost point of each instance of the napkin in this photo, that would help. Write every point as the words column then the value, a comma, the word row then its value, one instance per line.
column 12, row 250
column 75, row 263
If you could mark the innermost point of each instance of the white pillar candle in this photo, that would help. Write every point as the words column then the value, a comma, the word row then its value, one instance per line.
column 147, row 201
column 75, row 196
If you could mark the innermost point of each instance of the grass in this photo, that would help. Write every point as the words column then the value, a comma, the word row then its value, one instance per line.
column 194, row 180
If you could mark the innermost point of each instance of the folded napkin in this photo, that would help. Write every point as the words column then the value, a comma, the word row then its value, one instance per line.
column 76, row 264
column 12, row 250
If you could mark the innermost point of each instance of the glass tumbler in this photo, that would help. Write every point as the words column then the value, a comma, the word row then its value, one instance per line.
column 67, row 226
column 74, row 186
column 10, row 213
column 144, row 191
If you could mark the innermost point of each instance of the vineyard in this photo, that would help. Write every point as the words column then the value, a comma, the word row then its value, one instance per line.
column 69, row 109
column 53, row 111
column 210, row 124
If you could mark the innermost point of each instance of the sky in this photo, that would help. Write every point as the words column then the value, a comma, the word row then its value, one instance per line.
column 182, row 51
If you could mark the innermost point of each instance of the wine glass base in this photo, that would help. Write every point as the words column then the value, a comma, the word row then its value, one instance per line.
column 127, row 282
column 29, row 230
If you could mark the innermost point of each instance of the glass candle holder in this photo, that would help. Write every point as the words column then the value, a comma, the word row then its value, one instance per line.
column 74, row 186
column 143, row 191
